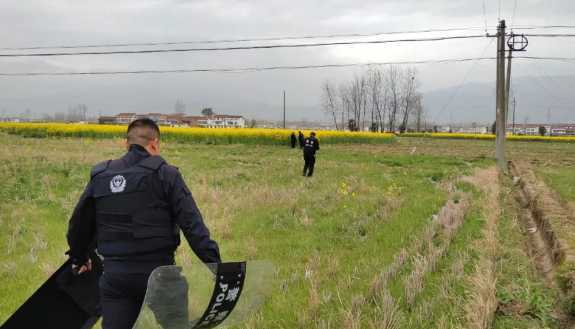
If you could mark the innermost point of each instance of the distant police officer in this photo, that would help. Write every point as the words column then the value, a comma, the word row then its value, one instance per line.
column 293, row 140
column 301, row 139
column 311, row 145
column 132, row 210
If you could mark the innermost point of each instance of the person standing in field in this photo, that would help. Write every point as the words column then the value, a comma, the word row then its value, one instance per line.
column 132, row 211
column 301, row 139
column 293, row 140
column 311, row 145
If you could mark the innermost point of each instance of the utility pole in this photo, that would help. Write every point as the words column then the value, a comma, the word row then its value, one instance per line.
column 516, row 42
column 508, row 86
column 284, row 109
column 500, row 100
column 514, row 104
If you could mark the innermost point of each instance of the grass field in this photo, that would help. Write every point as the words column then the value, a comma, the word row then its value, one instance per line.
column 356, row 246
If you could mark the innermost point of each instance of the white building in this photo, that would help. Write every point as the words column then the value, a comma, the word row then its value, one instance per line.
column 223, row 121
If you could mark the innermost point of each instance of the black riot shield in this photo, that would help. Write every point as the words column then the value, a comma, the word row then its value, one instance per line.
column 64, row 301
column 203, row 296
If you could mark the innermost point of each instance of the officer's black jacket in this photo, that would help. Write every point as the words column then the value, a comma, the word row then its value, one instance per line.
column 311, row 145
column 82, row 226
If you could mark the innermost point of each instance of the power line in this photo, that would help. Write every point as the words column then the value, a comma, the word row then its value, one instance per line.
column 465, row 77
column 246, row 69
column 282, row 38
column 550, row 35
column 301, row 45
column 557, row 59
column 537, row 27
column 273, row 68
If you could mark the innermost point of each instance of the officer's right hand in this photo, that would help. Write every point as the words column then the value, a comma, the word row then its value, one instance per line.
column 82, row 269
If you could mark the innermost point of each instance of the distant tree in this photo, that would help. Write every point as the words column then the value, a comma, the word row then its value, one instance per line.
column 46, row 117
column 493, row 128
column 252, row 123
column 207, row 111
column 374, row 127
column 180, row 107
column 77, row 112
column 402, row 128
column 352, row 125
column 330, row 101
column 542, row 130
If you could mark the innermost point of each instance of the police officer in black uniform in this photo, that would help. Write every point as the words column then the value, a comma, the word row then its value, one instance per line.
column 293, row 140
column 132, row 211
column 311, row 145
column 301, row 139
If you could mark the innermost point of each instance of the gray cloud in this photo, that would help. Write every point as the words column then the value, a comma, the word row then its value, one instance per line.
column 56, row 22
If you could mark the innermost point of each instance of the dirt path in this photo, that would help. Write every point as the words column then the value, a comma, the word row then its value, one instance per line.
column 482, row 304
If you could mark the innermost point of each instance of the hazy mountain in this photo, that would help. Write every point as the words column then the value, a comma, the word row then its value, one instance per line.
column 539, row 99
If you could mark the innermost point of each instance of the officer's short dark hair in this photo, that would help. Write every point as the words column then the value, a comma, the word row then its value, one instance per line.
column 312, row 133
column 142, row 131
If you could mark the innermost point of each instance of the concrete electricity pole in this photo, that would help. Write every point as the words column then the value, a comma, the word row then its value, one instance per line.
column 508, row 86
column 514, row 105
column 500, row 100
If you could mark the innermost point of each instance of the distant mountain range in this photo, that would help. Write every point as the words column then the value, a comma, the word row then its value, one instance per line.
column 539, row 100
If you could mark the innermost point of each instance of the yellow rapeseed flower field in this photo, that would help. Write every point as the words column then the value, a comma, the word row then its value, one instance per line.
column 199, row 135
column 492, row 137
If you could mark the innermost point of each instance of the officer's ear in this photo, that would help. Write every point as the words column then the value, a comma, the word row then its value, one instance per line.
column 154, row 146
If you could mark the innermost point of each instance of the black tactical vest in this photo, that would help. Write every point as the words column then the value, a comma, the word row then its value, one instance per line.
column 132, row 216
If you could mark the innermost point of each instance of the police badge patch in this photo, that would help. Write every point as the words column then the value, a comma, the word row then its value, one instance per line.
column 118, row 184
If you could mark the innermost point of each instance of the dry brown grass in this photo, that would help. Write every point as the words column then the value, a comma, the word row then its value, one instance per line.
column 352, row 315
column 388, row 315
column 449, row 219
column 480, row 309
column 390, row 272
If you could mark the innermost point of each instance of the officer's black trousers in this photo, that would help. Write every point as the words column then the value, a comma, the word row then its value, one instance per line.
column 121, row 295
column 309, row 163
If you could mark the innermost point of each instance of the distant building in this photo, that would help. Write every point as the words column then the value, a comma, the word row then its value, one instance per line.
column 473, row 130
column 125, row 118
column 179, row 119
column 562, row 129
column 103, row 120
column 222, row 121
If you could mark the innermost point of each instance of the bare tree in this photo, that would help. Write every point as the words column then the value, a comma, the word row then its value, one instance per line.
column 377, row 99
column 407, row 96
column 345, row 98
column 358, row 99
column 330, row 102
column 418, row 109
column 392, row 81
column 374, row 99
column 77, row 112
column 179, row 106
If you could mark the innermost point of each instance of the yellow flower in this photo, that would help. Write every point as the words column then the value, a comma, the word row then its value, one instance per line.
column 205, row 135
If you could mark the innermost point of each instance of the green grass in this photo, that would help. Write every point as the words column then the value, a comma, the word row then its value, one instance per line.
column 526, row 301
column 561, row 179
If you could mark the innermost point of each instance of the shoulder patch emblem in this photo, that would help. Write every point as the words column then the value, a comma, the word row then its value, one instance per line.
column 118, row 184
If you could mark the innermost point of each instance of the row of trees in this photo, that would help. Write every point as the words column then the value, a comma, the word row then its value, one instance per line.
column 380, row 99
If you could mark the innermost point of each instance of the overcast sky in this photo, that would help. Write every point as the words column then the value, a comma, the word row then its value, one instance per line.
column 27, row 23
